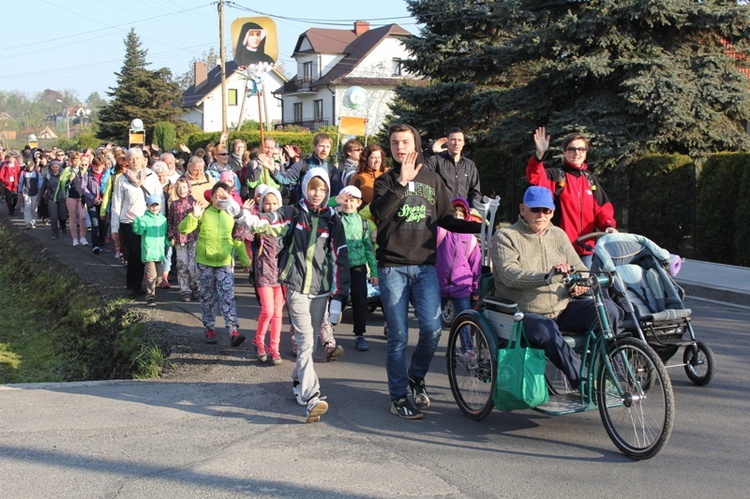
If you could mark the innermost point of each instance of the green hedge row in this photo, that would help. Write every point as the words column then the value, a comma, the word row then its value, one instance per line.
column 303, row 140
column 722, row 191
column 661, row 200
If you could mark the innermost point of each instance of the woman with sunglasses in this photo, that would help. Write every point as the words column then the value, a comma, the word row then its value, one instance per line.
column 582, row 205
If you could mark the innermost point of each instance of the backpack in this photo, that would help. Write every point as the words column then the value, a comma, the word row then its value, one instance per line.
column 33, row 187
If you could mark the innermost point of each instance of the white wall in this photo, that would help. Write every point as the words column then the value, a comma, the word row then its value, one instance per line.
column 208, row 117
column 379, row 62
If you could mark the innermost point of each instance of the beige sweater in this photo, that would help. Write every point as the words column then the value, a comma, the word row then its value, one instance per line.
column 521, row 259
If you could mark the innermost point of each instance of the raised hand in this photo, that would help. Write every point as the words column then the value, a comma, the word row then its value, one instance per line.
column 184, row 148
column 267, row 161
column 439, row 145
column 408, row 168
column 198, row 210
column 541, row 140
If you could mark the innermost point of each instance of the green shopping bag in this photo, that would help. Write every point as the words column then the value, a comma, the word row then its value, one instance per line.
column 520, row 382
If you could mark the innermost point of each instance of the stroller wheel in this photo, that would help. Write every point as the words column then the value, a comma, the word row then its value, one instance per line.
column 699, row 363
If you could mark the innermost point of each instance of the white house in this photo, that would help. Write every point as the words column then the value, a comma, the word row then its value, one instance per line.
column 202, row 102
column 331, row 61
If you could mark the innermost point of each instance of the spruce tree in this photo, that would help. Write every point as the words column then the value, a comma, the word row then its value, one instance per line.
column 634, row 75
column 152, row 96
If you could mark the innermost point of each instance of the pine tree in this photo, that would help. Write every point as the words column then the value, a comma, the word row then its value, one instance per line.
column 634, row 75
column 152, row 96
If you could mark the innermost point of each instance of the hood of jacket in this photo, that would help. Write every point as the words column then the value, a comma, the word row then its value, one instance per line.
column 316, row 171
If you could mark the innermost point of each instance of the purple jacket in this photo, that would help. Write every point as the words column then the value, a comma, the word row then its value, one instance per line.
column 458, row 264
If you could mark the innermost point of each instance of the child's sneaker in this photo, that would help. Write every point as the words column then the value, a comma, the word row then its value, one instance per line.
column 333, row 352
column 276, row 359
column 83, row 242
column 75, row 242
column 403, row 408
column 419, row 392
column 209, row 336
column 260, row 352
column 360, row 343
column 150, row 301
column 316, row 407
column 236, row 339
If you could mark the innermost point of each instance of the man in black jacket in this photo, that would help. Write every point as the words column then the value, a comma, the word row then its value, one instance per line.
column 458, row 172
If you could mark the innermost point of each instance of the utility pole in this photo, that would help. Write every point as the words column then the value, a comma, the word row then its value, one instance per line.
column 222, row 56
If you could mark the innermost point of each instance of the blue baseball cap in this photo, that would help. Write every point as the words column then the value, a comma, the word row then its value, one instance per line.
column 538, row 197
column 153, row 199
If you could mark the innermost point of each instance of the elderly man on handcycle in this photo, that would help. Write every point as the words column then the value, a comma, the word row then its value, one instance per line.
column 530, row 259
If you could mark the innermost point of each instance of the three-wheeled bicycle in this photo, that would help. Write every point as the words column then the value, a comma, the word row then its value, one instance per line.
column 621, row 375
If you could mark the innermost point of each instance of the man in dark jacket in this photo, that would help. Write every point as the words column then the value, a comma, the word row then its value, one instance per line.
column 458, row 172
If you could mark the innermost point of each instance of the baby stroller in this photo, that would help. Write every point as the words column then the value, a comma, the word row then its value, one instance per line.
column 645, row 289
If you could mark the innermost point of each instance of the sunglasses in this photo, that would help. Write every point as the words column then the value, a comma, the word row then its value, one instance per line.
column 546, row 211
column 223, row 154
column 576, row 149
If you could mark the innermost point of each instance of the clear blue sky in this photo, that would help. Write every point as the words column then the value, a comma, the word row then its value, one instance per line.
column 79, row 44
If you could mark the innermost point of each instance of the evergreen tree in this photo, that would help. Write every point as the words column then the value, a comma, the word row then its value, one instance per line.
column 151, row 96
column 634, row 75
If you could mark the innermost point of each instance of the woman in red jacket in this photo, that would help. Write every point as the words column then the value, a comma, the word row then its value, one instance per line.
column 9, row 176
column 582, row 204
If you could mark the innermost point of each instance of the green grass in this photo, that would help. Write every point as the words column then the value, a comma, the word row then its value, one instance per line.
column 56, row 329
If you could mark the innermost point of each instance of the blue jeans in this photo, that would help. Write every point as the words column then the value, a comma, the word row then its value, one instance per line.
column 399, row 286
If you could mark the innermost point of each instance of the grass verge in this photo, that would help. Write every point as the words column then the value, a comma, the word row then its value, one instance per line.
column 56, row 329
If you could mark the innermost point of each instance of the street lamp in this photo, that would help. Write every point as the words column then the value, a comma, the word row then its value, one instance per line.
column 67, row 116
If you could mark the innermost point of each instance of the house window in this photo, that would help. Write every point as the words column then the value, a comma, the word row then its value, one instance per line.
column 307, row 71
column 318, row 109
column 297, row 112
column 397, row 67
column 232, row 100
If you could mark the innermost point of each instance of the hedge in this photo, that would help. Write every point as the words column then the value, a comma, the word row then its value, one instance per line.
column 722, row 226
column 661, row 203
column 303, row 140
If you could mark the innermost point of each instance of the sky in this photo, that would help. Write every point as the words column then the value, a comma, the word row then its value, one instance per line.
column 78, row 45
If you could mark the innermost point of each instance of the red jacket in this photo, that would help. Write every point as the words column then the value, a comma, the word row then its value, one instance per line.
column 582, row 205
column 10, row 175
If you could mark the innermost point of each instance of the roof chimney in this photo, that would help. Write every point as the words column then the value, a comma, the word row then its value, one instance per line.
column 361, row 27
column 201, row 74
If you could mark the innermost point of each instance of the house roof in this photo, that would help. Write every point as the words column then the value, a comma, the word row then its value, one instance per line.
column 193, row 97
column 355, row 49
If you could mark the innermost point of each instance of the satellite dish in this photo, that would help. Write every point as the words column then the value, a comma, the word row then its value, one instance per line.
column 136, row 125
column 355, row 97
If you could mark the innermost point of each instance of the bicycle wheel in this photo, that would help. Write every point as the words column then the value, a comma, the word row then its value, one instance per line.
column 639, row 421
column 699, row 363
column 472, row 366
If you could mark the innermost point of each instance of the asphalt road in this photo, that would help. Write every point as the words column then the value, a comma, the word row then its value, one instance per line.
column 214, row 434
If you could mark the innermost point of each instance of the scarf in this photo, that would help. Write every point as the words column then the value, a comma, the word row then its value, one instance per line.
column 136, row 178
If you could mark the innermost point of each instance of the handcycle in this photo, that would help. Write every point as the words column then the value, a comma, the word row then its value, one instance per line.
column 621, row 376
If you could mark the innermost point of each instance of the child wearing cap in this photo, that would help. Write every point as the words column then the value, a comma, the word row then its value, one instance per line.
column 361, row 256
column 152, row 227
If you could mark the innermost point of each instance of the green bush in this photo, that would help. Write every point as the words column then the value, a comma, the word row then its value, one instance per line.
column 661, row 203
column 741, row 227
column 719, row 187
column 165, row 135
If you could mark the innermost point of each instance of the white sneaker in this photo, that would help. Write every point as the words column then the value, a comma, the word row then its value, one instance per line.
column 316, row 407
column 84, row 242
column 75, row 242
column 297, row 391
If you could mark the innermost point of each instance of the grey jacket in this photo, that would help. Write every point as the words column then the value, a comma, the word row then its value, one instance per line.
column 521, row 260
